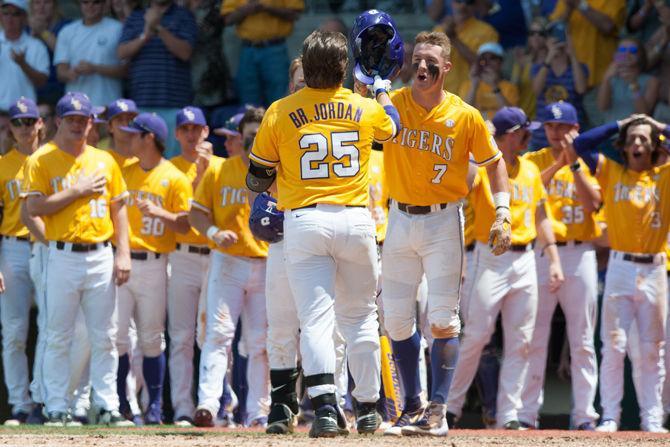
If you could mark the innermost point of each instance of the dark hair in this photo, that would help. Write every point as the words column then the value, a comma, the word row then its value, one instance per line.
column 324, row 59
column 641, row 51
column 655, row 136
column 252, row 115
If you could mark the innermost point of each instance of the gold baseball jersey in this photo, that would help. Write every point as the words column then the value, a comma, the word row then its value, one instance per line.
column 122, row 161
column 87, row 219
column 222, row 193
column 166, row 187
column 11, row 179
column 427, row 162
column 193, row 237
column 379, row 197
column 638, row 213
column 569, row 221
column 526, row 194
column 320, row 142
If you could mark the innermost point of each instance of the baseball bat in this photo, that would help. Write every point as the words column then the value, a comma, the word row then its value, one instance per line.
column 390, row 380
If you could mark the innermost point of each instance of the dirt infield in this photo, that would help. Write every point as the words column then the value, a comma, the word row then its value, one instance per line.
column 175, row 437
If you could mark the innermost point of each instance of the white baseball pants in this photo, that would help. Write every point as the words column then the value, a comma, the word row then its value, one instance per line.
column 15, row 317
column 77, row 279
column 235, row 285
column 188, row 275
column 578, row 298
column 634, row 292
column 505, row 284
column 430, row 244
column 38, row 269
column 331, row 261
column 144, row 299
column 284, row 325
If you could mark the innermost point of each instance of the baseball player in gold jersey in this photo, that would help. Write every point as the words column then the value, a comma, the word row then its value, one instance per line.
column 158, row 206
column 426, row 166
column 78, row 191
column 118, row 114
column 15, row 249
column 188, row 266
column 317, row 143
column 636, row 288
column 235, row 284
column 506, row 284
column 573, row 196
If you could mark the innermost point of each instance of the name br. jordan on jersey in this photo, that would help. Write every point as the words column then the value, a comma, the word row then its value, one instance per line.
column 326, row 111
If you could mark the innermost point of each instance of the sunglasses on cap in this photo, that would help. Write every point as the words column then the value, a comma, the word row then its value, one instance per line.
column 632, row 49
column 18, row 122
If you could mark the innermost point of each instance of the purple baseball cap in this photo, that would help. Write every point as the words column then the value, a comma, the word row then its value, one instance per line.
column 509, row 119
column 98, row 114
column 231, row 126
column 121, row 105
column 24, row 108
column 191, row 115
column 561, row 112
column 74, row 103
column 150, row 123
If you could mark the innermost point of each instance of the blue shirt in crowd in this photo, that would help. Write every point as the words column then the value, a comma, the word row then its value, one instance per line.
column 156, row 78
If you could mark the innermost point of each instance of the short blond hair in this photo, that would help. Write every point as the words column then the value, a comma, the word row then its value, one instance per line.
column 436, row 38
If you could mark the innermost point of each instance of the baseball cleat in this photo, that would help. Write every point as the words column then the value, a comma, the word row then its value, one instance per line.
column 325, row 423
column 586, row 426
column 18, row 418
column 367, row 418
column 113, row 419
column 203, row 418
column 183, row 421
column 433, row 422
column 407, row 417
column 515, row 425
column 653, row 428
column 153, row 415
column 607, row 426
column 342, row 421
column 281, row 420
column 56, row 419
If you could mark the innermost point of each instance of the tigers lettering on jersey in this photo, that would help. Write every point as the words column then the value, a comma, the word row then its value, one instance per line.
column 379, row 198
column 166, row 187
column 569, row 219
column 11, row 179
column 190, row 170
column 526, row 194
column 638, row 213
column 427, row 162
column 222, row 193
column 320, row 142
column 87, row 219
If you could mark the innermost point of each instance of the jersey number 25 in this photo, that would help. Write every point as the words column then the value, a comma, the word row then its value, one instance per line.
column 312, row 162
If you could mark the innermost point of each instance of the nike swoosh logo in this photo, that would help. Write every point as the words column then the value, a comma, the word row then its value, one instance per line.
column 277, row 388
column 298, row 215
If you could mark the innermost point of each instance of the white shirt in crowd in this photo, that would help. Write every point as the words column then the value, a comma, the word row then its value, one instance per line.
column 96, row 44
column 13, row 81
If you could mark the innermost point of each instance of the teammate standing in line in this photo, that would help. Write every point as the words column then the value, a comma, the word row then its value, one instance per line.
column 573, row 196
column 236, row 282
column 507, row 284
column 158, row 208
column 119, row 113
column 317, row 141
column 189, row 264
column 636, row 287
column 15, row 249
column 78, row 190
column 426, row 167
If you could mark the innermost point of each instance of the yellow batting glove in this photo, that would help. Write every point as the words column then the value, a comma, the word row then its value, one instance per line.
column 500, row 236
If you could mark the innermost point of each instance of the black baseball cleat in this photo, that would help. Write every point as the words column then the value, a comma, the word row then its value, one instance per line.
column 56, row 419
column 325, row 423
column 281, row 420
column 367, row 418
column 407, row 417
column 203, row 418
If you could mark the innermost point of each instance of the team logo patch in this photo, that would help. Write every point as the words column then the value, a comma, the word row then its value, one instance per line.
column 101, row 165
column 450, row 123
column 556, row 111
column 122, row 105
column 22, row 106
column 189, row 114
column 164, row 183
column 76, row 104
